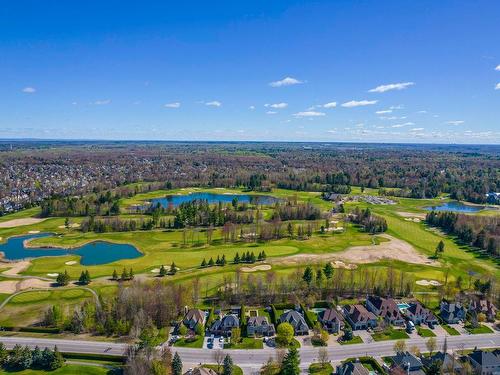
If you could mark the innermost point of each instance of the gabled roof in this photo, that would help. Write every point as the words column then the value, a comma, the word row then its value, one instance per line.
column 359, row 314
column 257, row 321
column 331, row 315
column 402, row 360
column 294, row 318
column 387, row 307
column 446, row 359
column 484, row 358
column 195, row 314
column 353, row 368
column 482, row 305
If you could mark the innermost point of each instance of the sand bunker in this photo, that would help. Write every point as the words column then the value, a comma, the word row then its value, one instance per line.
column 393, row 249
column 33, row 232
column 20, row 222
column 16, row 267
column 428, row 283
column 73, row 225
column 261, row 267
column 52, row 274
column 71, row 262
column 340, row 264
column 412, row 215
column 8, row 287
column 155, row 270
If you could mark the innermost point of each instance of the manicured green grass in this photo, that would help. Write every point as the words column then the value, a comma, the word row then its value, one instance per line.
column 198, row 343
column 294, row 344
column 246, row 343
column 390, row 334
column 480, row 329
column 65, row 370
column 319, row 369
column 236, row 369
column 354, row 340
column 450, row 330
column 425, row 332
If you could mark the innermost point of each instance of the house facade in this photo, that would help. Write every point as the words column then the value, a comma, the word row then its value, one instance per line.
column 224, row 326
column 452, row 312
column 386, row 308
column 259, row 326
column 484, row 362
column 485, row 307
column 297, row 321
column 359, row 317
column 331, row 320
column 194, row 317
column 418, row 314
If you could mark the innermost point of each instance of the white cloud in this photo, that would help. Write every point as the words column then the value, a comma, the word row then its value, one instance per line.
column 497, row 68
column 358, row 103
column 330, row 105
column 309, row 114
column 172, row 105
column 392, row 86
column 424, row 111
column 384, row 112
column 400, row 106
column 271, row 112
column 252, row 107
column 29, row 90
column 455, row 122
column 417, row 129
column 102, row 102
column 403, row 125
column 214, row 103
column 279, row 105
column 287, row 81
column 497, row 87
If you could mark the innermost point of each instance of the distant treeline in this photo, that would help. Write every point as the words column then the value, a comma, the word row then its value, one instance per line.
column 480, row 231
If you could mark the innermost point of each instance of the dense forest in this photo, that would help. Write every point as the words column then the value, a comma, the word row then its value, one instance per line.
column 482, row 232
column 31, row 176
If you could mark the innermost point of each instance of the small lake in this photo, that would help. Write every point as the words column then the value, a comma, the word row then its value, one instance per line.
column 214, row 198
column 94, row 253
column 455, row 206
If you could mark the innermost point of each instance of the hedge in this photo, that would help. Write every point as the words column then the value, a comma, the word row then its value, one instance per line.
column 96, row 357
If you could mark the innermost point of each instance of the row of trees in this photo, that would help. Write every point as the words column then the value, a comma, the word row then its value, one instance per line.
column 371, row 223
column 482, row 232
column 22, row 358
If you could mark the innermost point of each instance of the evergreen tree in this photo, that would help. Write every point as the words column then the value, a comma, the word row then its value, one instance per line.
column 131, row 274
column 217, row 261
column 308, row 275
column 176, row 365
column 203, row 263
column 57, row 360
column 228, row 365
column 236, row 258
column 63, row 278
column 163, row 271
column 264, row 256
column 124, row 274
column 173, row 269
column 47, row 358
column 223, row 260
column 291, row 363
column 37, row 358
column 252, row 258
column 115, row 275
column 211, row 262
column 3, row 354
column 328, row 270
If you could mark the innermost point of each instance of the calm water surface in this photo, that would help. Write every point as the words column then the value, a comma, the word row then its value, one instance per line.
column 99, row 252
column 455, row 207
column 212, row 198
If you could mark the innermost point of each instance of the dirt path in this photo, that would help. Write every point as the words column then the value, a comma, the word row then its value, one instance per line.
column 20, row 222
column 16, row 267
column 393, row 249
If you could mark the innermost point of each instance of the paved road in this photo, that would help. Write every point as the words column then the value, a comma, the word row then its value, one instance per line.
column 250, row 358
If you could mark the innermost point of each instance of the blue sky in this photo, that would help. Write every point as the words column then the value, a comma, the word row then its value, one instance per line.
column 383, row 71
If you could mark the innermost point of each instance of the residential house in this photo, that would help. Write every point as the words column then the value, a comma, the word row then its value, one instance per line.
column 297, row 321
column 452, row 312
column 352, row 368
column 331, row 320
column 194, row 317
column 259, row 326
column 202, row 371
column 359, row 317
column 408, row 363
column 484, row 362
column 385, row 308
column 418, row 314
column 224, row 326
column 449, row 364
column 485, row 307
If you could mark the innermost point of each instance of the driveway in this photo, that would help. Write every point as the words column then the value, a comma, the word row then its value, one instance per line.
column 216, row 343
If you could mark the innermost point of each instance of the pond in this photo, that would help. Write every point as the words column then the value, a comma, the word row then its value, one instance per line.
column 455, row 206
column 94, row 253
column 214, row 198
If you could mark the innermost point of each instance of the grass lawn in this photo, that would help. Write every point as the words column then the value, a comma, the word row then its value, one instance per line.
column 451, row 331
column 198, row 343
column 65, row 370
column 236, row 369
column 425, row 332
column 354, row 340
column 319, row 369
column 390, row 334
column 294, row 344
column 246, row 343
column 480, row 329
